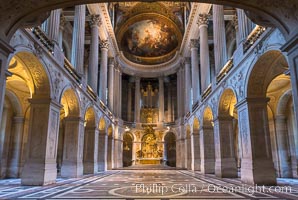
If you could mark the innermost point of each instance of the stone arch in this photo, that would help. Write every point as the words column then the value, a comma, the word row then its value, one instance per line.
column 128, row 140
column 70, row 102
column 196, row 125
column 110, row 147
column 262, row 12
column 267, row 67
column 15, row 101
column 90, row 117
column 208, row 117
column 102, row 125
column 227, row 102
column 283, row 102
column 170, row 149
column 25, row 65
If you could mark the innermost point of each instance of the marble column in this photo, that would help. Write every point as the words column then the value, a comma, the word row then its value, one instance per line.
column 14, row 163
column 189, row 152
column 207, row 150
column 110, row 156
column 104, row 47
column 91, row 149
column 219, row 34
column 111, row 84
column 129, row 101
column 187, row 90
column 137, row 100
column 119, row 108
column 245, row 25
column 78, row 39
column 256, row 165
column 195, row 148
column 72, row 164
column 102, row 151
column 54, row 25
column 169, row 103
column 204, row 51
column 93, row 55
column 61, row 30
column 225, row 159
column 235, row 24
column 284, row 164
column 116, row 90
column 161, row 103
column 40, row 166
column 5, row 50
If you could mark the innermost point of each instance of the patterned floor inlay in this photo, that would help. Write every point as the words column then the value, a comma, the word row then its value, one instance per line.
column 148, row 184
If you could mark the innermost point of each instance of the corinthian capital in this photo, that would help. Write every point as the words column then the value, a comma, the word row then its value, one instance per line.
column 95, row 20
column 104, row 44
column 194, row 43
column 203, row 19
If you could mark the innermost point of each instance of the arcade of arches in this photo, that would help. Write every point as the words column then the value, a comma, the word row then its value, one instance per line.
column 111, row 91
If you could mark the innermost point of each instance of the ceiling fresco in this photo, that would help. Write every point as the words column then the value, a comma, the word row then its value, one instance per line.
column 149, row 33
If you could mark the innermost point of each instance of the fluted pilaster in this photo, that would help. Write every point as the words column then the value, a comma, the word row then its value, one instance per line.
column 187, row 90
column 104, row 46
column 245, row 25
column 93, row 57
column 204, row 51
column 54, row 25
column 111, row 84
column 195, row 83
column 219, row 32
column 78, row 39
column 137, row 100
column 161, row 99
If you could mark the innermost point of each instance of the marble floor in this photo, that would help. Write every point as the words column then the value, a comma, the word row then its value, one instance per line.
column 148, row 184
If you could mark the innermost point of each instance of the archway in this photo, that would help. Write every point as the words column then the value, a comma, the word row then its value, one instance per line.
column 283, row 131
column 207, row 143
column 253, row 120
column 102, row 145
column 226, row 136
column 127, row 149
column 110, row 148
column 71, row 129
column 170, row 149
column 188, row 148
column 90, row 143
column 195, row 144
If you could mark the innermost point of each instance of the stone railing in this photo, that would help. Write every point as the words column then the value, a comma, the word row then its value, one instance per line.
column 91, row 93
column 206, row 92
column 253, row 37
column 43, row 38
column 225, row 70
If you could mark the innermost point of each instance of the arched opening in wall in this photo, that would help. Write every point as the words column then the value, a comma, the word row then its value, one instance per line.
column 188, row 147
column 170, row 149
column 102, row 145
column 127, row 149
column 110, row 148
column 270, row 81
column 90, row 143
column 228, row 135
column 196, row 165
column 24, row 83
column 282, row 127
column 69, row 113
column 207, row 143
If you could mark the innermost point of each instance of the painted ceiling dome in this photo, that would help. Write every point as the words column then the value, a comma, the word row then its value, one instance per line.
column 149, row 34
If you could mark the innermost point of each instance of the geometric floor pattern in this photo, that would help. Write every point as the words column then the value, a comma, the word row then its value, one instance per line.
column 148, row 184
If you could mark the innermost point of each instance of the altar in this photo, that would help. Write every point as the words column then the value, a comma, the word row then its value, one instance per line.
column 149, row 161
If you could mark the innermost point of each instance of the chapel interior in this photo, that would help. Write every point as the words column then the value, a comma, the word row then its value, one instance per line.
column 114, row 90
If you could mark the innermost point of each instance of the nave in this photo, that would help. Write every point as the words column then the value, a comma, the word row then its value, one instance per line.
column 152, row 184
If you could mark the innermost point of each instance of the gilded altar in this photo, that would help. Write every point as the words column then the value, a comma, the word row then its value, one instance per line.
column 150, row 148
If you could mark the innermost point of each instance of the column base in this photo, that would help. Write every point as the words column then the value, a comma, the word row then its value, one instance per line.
column 71, row 169
column 102, row 167
column 90, row 168
column 226, row 168
column 196, row 165
column 260, row 172
column 36, row 173
column 208, row 166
